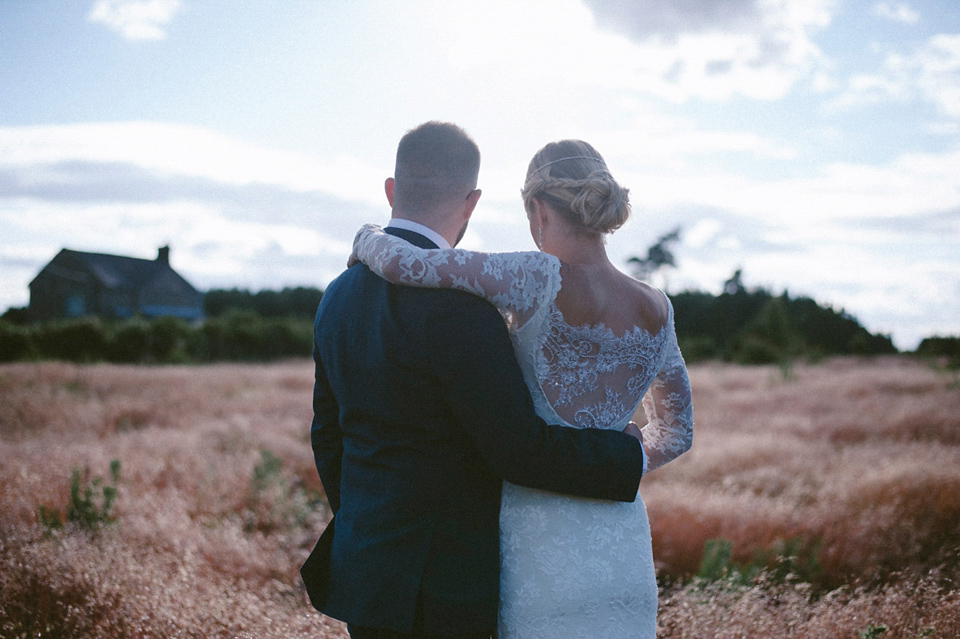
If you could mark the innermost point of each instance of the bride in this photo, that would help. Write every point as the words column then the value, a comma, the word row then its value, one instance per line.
column 593, row 344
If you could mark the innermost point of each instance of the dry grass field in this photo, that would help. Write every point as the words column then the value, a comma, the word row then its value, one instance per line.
column 852, row 467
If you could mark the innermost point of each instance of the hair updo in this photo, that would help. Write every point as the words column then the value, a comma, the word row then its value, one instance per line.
column 572, row 177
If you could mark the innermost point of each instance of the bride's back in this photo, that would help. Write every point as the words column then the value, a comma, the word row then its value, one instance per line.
column 601, row 345
column 602, row 295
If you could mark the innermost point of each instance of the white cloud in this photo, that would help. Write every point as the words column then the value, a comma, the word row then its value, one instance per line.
column 931, row 73
column 645, row 19
column 938, row 69
column 704, row 231
column 755, row 48
column 896, row 12
column 136, row 19
column 911, row 184
column 947, row 128
column 179, row 150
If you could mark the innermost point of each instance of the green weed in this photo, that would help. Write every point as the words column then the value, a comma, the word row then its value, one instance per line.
column 276, row 502
column 873, row 631
column 91, row 501
column 787, row 560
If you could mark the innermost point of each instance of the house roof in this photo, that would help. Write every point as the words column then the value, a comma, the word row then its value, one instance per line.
column 117, row 271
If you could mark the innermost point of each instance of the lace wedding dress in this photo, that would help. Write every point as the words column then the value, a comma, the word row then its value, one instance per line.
column 570, row 567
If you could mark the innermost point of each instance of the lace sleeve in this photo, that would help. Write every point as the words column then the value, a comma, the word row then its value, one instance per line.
column 518, row 284
column 669, row 408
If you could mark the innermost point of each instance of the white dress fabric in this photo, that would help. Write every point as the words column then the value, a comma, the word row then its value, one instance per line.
column 570, row 567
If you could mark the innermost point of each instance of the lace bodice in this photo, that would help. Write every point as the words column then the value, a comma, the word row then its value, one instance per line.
column 583, row 376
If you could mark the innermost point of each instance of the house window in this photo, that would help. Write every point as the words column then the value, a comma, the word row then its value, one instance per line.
column 76, row 306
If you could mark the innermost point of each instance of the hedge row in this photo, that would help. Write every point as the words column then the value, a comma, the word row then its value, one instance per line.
column 237, row 336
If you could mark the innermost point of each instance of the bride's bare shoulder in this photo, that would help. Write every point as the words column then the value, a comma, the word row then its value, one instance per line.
column 650, row 304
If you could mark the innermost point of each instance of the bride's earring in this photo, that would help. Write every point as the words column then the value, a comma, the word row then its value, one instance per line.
column 540, row 237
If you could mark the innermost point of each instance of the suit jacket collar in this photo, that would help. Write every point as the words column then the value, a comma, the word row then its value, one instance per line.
column 411, row 236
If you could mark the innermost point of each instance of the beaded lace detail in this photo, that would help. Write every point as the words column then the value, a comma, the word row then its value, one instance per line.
column 570, row 567
column 592, row 377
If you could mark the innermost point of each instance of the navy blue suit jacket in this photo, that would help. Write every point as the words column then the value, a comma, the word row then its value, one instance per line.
column 420, row 409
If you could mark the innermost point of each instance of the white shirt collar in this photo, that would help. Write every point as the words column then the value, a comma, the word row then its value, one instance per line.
column 428, row 233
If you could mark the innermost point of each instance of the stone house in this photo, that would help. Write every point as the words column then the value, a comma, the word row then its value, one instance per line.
column 78, row 284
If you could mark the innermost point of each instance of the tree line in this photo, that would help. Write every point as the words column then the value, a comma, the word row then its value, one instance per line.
column 739, row 325
column 758, row 327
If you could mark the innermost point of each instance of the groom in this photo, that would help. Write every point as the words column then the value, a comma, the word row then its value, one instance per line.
column 420, row 410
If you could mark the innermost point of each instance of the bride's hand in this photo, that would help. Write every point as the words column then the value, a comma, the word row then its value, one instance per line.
column 634, row 431
column 353, row 259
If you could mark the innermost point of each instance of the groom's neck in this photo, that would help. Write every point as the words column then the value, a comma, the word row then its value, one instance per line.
column 416, row 225
column 444, row 226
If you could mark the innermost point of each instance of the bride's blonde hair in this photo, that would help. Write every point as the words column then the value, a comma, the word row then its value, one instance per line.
column 573, row 178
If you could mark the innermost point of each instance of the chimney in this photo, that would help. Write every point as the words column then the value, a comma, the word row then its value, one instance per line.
column 163, row 255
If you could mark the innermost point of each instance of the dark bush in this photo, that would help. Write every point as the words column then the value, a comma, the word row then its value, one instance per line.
column 168, row 340
column 768, row 338
column 947, row 348
column 129, row 342
column 698, row 349
column 246, row 336
column 16, row 342
column 290, row 302
column 18, row 315
column 754, row 350
column 228, row 337
column 79, row 340
column 289, row 338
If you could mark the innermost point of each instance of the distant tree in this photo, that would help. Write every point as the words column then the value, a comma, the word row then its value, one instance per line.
column 939, row 346
column 735, row 284
column 16, row 315
column 219, row 301
column 755, row 326
column 289, row 302
column 658, row 256
column 945, row 348
column 768, row 337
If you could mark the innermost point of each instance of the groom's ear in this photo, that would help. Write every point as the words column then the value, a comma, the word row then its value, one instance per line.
column 472, row 198
column 388, row 188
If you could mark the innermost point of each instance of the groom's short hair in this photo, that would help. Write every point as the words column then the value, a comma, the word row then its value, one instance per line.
column 437, row 163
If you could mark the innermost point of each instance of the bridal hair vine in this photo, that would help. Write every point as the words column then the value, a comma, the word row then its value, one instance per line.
column 571, row 157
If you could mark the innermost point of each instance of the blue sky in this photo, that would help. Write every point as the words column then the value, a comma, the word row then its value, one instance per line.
column 813, row 143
